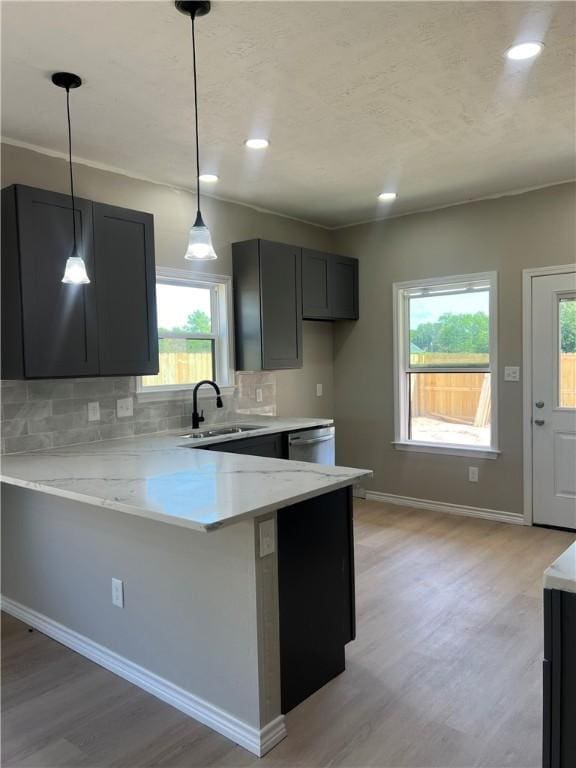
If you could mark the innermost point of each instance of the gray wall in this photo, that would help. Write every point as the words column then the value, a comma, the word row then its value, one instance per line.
column 174, row 211
column 508, row 235
column 58, row 558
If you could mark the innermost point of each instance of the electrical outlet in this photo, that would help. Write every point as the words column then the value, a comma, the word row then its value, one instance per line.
column 258, row 395
column 124, row 407
column 473, row 474
column 94, row 411
column 118, row 593
column 267, row 536
column 511, row 373
column 319, row 390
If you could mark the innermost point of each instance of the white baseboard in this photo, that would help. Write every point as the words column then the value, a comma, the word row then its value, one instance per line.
column 452, row 509
column 257, row 741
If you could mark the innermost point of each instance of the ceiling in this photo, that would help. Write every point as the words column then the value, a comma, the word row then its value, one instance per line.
column 355, row 98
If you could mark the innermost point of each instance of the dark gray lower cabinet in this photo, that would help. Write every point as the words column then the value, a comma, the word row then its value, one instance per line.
column 315, row 581
column 270, row 446
column 51, row 329
column 316, row 593
column 559, row 679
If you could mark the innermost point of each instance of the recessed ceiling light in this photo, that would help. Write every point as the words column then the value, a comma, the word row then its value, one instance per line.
column 257, row 143
column 524, row 51
column 387, row 196
column 208, row 177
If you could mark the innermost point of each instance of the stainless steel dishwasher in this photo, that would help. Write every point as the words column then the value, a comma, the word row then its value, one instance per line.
column 314, row 445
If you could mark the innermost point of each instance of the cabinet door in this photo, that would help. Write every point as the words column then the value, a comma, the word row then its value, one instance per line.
column 126, row 291
column 343, row 288
column 59, row 320
column 269, row 446
column 281, row 305
column 316, row 593
column 315, row 300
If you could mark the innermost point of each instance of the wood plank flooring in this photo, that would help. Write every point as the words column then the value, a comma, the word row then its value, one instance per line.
column 445, row 671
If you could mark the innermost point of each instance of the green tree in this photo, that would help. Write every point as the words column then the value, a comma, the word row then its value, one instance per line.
column 453, row 333
column 196, row 322
column 568, row 326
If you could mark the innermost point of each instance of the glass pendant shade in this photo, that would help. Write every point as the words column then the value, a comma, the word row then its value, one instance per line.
column 200, row 246
column 75, row 272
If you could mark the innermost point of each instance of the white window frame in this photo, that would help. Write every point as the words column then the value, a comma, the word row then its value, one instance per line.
column 221, row 306
column 402, row 368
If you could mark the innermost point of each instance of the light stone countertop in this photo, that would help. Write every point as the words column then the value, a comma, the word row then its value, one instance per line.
column 158, row 477
column 562, row 573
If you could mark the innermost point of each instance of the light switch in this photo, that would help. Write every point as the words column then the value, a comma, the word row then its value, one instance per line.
column 267, row 535
column 319, row 390
column 258, row 395
column 511, row 373
column 94, row 411
column 124, row 407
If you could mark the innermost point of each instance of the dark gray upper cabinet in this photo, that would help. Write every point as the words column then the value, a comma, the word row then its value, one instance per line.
column 50, row 329
column 267, row 305
column 329, row 286
column 315, row 298
column 343, row 287
column 125, row 290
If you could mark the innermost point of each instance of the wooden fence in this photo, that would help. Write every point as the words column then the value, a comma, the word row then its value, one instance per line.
column 568, row 380
column 465, row 397
column 181, row 368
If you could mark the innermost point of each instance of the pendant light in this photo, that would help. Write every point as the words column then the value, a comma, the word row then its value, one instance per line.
column 199, row 240
column 75, row 271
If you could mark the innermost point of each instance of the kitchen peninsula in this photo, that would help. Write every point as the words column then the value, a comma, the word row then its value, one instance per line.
column 233, row 574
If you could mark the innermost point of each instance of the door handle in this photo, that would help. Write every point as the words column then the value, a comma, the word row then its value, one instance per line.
column 539, row 404
column 312, row 441
column 539, row 422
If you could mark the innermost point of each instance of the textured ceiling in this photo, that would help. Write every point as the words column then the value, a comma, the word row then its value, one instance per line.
column 355, row 97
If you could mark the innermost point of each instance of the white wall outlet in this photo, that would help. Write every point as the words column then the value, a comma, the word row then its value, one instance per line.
column 118, row 593
column 319, row 390
column 511, row 373
column 94, row 411
column 124, row 407
column 258, row 395
column 473, row 474
column 267, row 536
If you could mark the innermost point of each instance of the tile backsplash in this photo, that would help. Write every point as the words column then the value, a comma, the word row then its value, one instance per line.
column 54, row 412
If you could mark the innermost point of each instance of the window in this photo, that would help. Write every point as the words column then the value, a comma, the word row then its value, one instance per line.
column 567, row 356
column 193, row 330
column 445, row 365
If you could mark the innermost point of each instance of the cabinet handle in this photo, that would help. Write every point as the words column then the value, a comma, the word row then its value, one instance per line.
column 539, row 422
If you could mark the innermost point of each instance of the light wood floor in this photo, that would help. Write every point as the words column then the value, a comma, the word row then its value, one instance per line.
column 445, row 672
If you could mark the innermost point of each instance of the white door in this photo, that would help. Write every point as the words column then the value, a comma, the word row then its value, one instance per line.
column 554, row 399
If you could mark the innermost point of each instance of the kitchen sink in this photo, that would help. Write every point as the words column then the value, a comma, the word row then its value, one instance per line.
column 233, row 429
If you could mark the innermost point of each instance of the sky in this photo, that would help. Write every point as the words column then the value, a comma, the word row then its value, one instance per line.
column 427, row 309
column 176, row 302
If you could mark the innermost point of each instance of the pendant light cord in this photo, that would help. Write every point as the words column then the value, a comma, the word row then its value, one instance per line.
column 193, row 16
column 75, row 253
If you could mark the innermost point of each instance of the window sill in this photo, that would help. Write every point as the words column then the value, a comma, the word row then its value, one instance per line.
column 180, row 393
column 446, row 450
